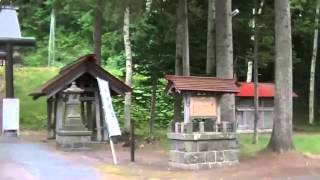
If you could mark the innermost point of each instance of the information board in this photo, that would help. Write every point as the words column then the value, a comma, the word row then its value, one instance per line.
column 108, row 111
column 10, row 115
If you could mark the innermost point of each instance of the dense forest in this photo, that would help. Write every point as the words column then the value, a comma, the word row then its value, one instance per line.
column 153, row 41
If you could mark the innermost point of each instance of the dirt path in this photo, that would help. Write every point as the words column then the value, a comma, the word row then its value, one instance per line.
column 151, row 163
column 28, row 160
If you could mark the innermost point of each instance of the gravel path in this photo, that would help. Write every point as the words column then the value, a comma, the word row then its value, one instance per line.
column 36, row 161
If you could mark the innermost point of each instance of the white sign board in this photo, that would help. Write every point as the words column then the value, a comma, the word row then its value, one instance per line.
column 108, row 111
column 10, row 114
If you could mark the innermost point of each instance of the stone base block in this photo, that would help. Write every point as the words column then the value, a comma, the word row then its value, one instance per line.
column 201, row 165
column 73, row 140
column 203, row 150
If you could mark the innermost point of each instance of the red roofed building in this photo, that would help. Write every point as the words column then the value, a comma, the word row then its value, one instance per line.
column 245, row 105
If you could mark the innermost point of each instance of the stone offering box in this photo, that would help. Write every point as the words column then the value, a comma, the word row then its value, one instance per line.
column 204, row 139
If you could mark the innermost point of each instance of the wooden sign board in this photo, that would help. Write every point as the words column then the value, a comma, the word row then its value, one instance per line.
column 203, row 106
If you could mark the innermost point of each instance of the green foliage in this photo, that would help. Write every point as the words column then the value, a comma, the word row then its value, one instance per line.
column 32, row 113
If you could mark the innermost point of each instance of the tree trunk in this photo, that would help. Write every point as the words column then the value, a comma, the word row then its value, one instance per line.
column 127, row 44
column 153, row 103
column 224, row 55
column 211, row 38
column 185, row 38
column 51, row 46
column 97, row 35
column 313, row 65
column 178, row 62
column 255, row 78
column 281, row 138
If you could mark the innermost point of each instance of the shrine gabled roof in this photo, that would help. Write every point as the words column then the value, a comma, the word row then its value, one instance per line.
column 68, row 74
column 201, row 84
column 265, row 90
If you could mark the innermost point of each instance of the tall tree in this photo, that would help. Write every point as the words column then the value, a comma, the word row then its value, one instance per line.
column 224, row 55
column 211, row 38
column 128, row 52
column 185, row 38
column 313, row 64
column 51, row 44
column 281, row 138
column 97, row 35
column 178, row 60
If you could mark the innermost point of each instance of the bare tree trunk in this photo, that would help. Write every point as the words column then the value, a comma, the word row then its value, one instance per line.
column 148, row 6
column 255, row 78
column 97, row 35
column 127, row 44
column 51, row 46
column 185, row 38
column 281, row 138
column 313, row 65
column 178, row 62
column 153, row 103
column 224, row 55
column 211, row 38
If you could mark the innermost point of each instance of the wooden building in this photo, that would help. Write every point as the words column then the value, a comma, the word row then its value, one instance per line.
column 201, row 95
column 84, row 72
column 245, row 106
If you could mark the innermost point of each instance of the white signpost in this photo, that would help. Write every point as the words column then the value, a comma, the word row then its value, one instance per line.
column 109, row 115
column 10, row 115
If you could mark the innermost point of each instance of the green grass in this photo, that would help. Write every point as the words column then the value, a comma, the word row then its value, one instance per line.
column 304, row 142
column 26, row 80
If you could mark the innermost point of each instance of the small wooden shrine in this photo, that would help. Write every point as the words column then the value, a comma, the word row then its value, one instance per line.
column 203, row 139
column 74, row 105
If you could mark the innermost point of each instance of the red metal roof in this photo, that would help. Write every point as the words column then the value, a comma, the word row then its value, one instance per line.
column 264, row 90
column 201, row 84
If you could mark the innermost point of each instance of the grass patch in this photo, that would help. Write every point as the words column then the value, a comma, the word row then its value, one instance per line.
column 32, row 113
column 304, row 142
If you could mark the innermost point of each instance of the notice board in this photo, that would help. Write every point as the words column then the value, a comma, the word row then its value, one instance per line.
column 10, row 115
column 108, row 111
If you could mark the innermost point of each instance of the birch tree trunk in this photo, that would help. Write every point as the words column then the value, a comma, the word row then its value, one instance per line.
column 313, row 65
column 224, row 55
column 281, row 138
column 51, row 46
column 127, row 44
column 97, row 35
column 210, row 68
column 178, row 62
column 185, row 38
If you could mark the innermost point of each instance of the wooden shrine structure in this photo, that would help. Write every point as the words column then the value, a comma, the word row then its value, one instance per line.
column 82, row 74
column 203, row 139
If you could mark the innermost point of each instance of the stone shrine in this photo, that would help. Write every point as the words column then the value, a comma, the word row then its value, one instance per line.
column 73, row 134
column 202, row 140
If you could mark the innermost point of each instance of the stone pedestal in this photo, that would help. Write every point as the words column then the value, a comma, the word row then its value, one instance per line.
column 73, row 140
column 203, row 150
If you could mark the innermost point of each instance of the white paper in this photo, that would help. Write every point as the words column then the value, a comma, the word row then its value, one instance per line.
column 108, row 111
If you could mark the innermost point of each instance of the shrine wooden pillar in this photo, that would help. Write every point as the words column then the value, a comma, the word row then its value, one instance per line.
column 9, row 71
column 50, row 134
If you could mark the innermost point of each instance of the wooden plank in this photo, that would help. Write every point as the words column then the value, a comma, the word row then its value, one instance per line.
column 9, row 72
column 89, row 118
column 98, row 116
column 186, row 105
column 60, row 113
column 49, row 118
column 54, row 124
